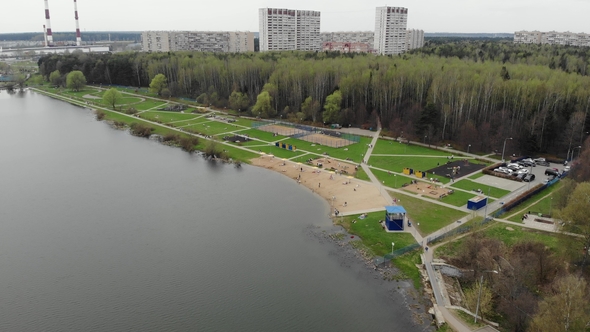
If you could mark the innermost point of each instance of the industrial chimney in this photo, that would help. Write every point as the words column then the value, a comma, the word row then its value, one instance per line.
column 78, row 36
column 45, row 35
column 48, row 23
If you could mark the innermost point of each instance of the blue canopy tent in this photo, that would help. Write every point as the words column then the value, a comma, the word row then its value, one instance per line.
column 394, row 218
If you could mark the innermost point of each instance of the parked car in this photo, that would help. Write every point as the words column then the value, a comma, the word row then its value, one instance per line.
column 542, row 163
column 566, row 169
column 551, row 171
column 513, row 166
column 522, row 171
column 528, row 177
column 539, row 159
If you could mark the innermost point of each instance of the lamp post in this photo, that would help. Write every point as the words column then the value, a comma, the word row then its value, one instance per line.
column 468, row 146
column 530, row 180
column 392, row 245
column 479, row 295
column 504, row 148
column 485, row 214
column 395, row 180
column 425, row 139
column 574, row 149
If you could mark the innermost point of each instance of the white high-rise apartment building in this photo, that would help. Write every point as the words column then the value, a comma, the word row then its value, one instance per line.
column 204, row 41
column 390, row 30
column 414, row 39
column 552, row 38
column 289, row 29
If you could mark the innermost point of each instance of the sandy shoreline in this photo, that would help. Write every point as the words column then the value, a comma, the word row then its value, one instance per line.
column 341, row 191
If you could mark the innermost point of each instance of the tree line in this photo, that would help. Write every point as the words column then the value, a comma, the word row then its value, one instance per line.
column 437, row 97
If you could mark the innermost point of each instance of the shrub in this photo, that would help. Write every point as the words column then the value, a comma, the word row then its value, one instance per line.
column 131, row 110
column 100, row 114
column 171, row 137
column 141, row 130
column 188, row 143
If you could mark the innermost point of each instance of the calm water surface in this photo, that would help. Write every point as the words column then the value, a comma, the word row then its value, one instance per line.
column 103, row 231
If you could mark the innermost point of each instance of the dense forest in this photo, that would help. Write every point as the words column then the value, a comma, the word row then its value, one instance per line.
column 476, row 93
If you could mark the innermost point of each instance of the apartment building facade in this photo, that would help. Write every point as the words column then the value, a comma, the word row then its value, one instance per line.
column 552, row 38
column 289, row 29
column 390, row 30
column 203, row 41
column 414, row 39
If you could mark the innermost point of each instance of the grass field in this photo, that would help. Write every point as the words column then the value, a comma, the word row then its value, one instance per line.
column 430, row 216
column 543, row 206
column 476, row 175
column 458, row 198
column 262, row 135
column 149, row 104
column 470, row 185
column 354, row 151
column 373, row 235
column 397, row 164
column 166, row 117
column 497, row 230
column 391, row 180
column 393, row 147
column 361, row 175
column 209, row 128
column 197, row 118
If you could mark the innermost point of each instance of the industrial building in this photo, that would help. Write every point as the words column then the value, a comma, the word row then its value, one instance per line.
column 390, row 30
column 289, row 29
column 203, row 41
column 552, row 38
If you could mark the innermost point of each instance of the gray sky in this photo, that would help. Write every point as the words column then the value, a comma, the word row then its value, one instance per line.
column 341, row 15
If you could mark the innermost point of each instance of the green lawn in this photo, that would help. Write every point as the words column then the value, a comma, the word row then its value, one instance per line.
column 361, row 175
column 128, row 101
column 373, row 235
column 149, row 104
column 354, row 151
column 499, row 231
column 470, row 185
column 81, row 93
column 458, row 198
column 392, row 180
column 262, row 135
column 543, row 206
column 393, row 147
column 209, row 128
column 235, row 153
column 397, row 164
column 430, row 216
column 280, row 152
column 166, row 117
column 476, row 175
column 196, row 119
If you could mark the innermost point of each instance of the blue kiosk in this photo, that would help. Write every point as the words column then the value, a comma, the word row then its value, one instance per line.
column 394, row 218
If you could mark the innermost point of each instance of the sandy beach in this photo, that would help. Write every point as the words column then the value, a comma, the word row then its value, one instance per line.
column 341, row 191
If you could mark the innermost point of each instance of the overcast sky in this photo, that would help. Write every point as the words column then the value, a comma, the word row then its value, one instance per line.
column 341, row 15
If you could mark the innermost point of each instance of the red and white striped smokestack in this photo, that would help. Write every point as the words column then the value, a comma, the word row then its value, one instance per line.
column 78, row 36
column 48, row 23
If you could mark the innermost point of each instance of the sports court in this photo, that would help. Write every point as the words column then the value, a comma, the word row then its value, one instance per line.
column 310, row 134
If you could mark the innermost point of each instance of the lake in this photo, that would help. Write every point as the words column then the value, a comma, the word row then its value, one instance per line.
column 104, row 231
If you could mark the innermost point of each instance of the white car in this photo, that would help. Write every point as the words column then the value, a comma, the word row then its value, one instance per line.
column 513, row 166
column 522, row 171
column 566, row 169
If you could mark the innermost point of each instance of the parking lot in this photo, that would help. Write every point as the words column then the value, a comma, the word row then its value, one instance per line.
column 539, row 172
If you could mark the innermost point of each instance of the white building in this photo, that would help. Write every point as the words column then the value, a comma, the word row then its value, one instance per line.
column 390, row 30
column 365, row 37
column 414, row 39
column 552, row 38
column 289, row 29
column 203, row 41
